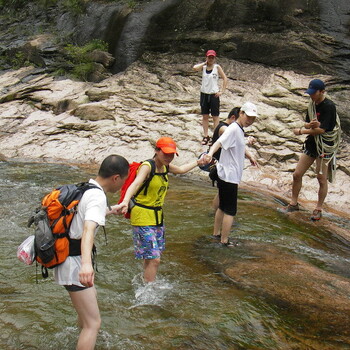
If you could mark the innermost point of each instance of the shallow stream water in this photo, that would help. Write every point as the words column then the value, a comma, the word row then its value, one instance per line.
column 193, row 305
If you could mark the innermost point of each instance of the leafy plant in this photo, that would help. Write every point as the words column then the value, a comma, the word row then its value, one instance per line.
column 12, row 4
column 16, row 60
column 75, row 6
column 80, row 57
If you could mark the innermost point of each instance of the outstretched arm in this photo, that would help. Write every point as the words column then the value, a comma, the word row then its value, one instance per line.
column 215, row 147
column 184, row 168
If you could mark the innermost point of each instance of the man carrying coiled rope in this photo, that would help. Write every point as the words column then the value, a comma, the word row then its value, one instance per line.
column 322, row 125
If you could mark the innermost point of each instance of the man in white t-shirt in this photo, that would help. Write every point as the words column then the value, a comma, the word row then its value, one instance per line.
column 76, row 274
column 230, row 169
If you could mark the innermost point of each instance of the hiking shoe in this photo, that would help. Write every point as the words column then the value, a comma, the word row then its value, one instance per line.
column 316, row 215
column 289, row 208
column 229, row 244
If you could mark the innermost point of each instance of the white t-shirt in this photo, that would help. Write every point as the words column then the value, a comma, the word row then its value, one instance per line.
column 210, row 81
column 92, row 207
column 231, row 161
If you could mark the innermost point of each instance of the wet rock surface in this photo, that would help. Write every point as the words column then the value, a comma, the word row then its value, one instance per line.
column 314, row 299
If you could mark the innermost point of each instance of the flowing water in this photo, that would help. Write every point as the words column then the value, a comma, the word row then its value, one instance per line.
column 192, row 305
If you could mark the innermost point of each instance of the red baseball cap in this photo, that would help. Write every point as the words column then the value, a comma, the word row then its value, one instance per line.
column 167, row 145
column 211, row 53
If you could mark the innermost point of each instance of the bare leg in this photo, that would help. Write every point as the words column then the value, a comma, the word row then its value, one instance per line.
column 219, row 215
column 216, row 121
column 303, row 165
column 322, row 180
column 215, row 203
column 227, row 223
column 85, row 304
column 150, row 267
column 205, row 124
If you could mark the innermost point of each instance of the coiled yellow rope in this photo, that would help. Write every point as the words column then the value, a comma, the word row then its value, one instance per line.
column 327, row 152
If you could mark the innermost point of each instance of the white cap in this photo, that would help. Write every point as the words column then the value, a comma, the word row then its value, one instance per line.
column 250, row 109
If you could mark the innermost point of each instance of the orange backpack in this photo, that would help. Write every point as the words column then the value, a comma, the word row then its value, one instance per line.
column 52, row 222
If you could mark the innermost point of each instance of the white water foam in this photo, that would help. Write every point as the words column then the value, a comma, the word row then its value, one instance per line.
column 153, row 293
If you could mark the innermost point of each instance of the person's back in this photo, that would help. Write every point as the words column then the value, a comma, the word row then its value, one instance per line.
column 76, row 274
column 92, row 206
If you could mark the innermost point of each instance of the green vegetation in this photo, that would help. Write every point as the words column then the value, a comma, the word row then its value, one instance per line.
column 16, row 60
column 79, row 57
column 12, row 4
column 74, row 6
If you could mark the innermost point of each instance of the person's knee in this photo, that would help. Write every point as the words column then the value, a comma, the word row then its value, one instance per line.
column 322, row 179
column 155, row 262
column 297, row 176
column 94, row 323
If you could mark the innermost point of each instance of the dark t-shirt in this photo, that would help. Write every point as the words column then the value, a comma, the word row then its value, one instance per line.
column 326, row 113
column 216, row 135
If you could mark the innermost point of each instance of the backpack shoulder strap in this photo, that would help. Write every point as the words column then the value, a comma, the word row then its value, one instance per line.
column 144, row 186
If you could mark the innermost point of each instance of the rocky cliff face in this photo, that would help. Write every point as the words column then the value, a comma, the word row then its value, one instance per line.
column 301, row 35
column 60, row 119
column 49, row 120
column 305, row 36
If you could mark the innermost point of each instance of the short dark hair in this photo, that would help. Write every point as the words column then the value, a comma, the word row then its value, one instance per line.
column 234, row 111
column 114, row 165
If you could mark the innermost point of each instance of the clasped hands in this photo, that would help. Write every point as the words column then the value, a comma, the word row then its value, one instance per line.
column 118, row 209
column 207, row 159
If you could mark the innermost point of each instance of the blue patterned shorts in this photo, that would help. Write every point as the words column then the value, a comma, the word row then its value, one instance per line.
column 149, row 241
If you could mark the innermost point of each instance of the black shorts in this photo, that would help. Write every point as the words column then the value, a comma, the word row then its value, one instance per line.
column 228, row 193
column 210, row 104
column 310, row 148
column 74, row 288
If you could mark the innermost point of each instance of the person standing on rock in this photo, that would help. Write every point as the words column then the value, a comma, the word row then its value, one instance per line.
column 219, row 130
column 146, row 215
column 229, row 170
column 76, row 273
column 210, row 92
column 322, row 125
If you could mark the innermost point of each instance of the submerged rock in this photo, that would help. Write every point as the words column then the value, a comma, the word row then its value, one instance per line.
column 309, row 296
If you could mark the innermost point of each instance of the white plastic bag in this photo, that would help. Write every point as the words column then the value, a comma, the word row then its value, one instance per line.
column 26, row 251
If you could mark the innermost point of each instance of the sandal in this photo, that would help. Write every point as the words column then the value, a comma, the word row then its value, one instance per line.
column 229, row 244
column 289, row 208
column 206, row 140
column 316, row 215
